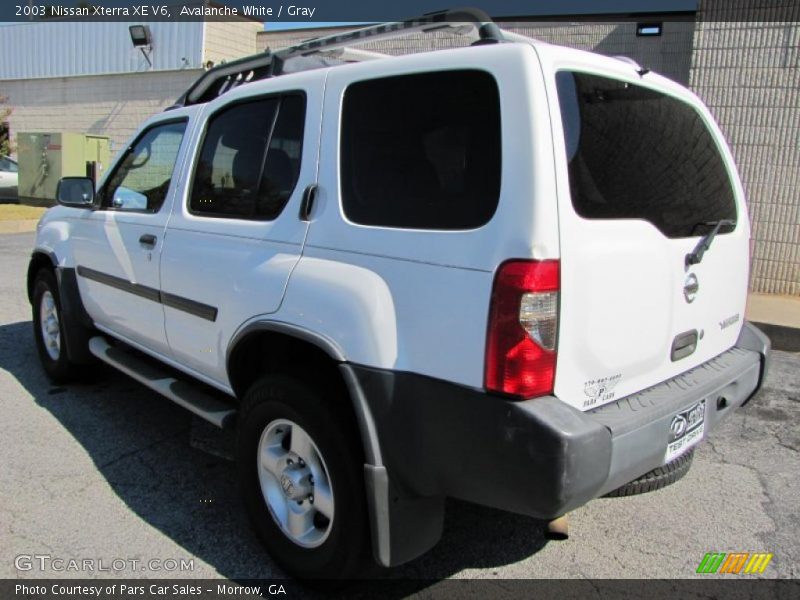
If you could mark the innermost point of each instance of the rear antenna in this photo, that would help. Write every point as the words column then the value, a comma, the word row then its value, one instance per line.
column 643, row 71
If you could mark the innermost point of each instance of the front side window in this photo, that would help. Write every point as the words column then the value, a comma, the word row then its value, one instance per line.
column 249, row 162
column 141, row 180
column 635, row 153
column 421, row 151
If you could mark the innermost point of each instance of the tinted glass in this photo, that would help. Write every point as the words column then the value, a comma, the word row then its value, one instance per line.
column 638, row 154
column 141, row 181
column 283, row 158
column 250, row 159
column 422, row 151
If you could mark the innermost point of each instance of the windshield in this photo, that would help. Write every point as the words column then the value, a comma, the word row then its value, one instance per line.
column 635, row 153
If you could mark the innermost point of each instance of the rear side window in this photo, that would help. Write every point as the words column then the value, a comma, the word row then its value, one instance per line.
column 635, row 153
column 421, row 151
column 250, row 159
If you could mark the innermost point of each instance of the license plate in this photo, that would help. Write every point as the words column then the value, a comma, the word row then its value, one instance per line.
column 686, row 430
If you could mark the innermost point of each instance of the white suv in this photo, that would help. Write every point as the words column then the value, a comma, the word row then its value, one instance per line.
column 511, row 273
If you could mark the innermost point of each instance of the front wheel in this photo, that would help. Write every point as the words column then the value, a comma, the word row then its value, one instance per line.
column 301, row 474
column 48, row 328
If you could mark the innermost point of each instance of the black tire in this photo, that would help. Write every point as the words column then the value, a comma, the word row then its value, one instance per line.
column 345, row 550
column 657, row 478
column 59, row 369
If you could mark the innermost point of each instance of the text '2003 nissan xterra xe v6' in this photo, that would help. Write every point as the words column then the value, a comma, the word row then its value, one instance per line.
column 510, row 273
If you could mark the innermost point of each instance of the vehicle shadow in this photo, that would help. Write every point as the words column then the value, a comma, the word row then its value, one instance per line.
column 141, row 445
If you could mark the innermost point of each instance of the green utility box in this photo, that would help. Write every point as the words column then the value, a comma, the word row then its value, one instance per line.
column 44, row 158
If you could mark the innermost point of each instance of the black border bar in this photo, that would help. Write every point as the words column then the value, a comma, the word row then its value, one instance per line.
column 372, row 11
column 704, row 587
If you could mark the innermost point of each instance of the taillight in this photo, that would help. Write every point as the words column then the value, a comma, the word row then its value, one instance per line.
column 523, row 323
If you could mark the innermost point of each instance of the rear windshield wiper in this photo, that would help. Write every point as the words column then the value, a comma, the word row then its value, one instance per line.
column 696, row 255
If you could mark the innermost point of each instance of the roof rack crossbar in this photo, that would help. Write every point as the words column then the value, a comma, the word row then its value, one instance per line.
column 225, row 77
column 217, row 77
column 430, row 22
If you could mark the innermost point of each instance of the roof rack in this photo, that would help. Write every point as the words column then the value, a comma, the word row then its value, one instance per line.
column 333, row 49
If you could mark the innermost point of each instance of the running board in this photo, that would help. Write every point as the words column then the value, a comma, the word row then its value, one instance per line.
column 179, row 391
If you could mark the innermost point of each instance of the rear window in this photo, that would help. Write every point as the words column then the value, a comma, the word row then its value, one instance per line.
column 421, row 151
column 635, row 153
column 250, row 159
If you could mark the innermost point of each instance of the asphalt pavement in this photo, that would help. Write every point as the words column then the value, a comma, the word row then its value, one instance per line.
column 110, row 471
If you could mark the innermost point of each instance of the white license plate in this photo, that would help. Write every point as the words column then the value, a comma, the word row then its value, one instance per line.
column 686, row 430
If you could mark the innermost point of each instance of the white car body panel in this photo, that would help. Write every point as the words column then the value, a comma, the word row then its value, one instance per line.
column 8, row 180
column 238, row 266
column 393, row 314
column 622, row 281
column 108, row 241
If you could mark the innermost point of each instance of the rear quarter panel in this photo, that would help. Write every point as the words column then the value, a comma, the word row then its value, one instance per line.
column 418, row 300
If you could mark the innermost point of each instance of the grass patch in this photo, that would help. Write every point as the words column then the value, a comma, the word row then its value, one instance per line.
column 18, row 212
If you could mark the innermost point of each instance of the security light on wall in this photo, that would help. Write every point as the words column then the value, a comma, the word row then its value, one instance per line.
column 140, row 37
column 649, row 29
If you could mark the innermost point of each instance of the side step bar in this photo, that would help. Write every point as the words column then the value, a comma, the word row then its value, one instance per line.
column 180, row 392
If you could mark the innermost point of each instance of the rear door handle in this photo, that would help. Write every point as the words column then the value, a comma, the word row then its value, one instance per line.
column 148, row 240
column 307, row 203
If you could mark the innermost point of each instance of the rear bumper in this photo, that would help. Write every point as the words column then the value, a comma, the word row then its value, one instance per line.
column 540, row 457
column 639, row 425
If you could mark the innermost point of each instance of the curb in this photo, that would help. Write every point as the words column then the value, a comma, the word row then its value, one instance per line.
column 19, row 226
column 782, row 337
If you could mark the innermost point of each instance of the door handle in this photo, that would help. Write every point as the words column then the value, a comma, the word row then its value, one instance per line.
column 309, row 195
column 148, row 240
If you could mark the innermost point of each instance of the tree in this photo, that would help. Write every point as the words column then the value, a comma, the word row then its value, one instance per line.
column 6, row 147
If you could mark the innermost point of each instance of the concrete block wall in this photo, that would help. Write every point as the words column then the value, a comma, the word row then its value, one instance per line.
column 745, row 67
column 109, row 105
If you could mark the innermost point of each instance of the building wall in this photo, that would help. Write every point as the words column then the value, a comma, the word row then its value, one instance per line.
column 68, row 48
column 109, row 105
column 86, row 77
column 229, row 40
column 747, row 71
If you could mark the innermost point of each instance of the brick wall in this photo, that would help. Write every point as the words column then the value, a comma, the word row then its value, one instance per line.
column 745, row 67
column 110, row 105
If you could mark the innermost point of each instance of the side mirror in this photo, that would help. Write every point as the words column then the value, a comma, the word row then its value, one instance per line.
column 76, row 192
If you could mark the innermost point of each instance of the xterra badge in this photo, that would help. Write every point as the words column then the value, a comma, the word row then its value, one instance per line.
column 725, row 323
column 600, row 390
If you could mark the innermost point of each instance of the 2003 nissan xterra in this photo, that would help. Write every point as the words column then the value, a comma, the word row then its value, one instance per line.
column 511, row 273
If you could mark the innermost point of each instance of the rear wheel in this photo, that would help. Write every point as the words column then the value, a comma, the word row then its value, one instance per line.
column 48, row 329
column 657, row 478
column 300, row 469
